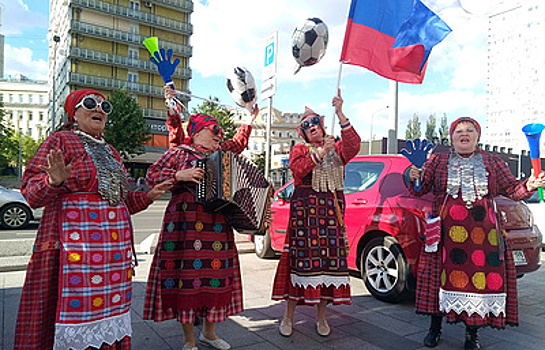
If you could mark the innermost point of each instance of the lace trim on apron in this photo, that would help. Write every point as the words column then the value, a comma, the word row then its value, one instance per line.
column 468, row 176
column 93, row 334
column 112, row 182
column 329, row 174
column 323, row 280
column 472, row 303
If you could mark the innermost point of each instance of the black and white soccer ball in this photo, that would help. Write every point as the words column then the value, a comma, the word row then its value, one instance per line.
column 309, row 42
column 241, row 86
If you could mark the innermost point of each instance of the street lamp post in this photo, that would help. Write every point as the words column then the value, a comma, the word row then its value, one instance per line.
column 56, row 39
column 371, row 128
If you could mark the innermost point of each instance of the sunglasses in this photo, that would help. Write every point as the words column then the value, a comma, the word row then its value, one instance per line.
column 305, row 125
column 90, row 104
column 214, row 129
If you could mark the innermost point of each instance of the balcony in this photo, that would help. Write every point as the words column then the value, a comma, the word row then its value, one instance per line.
column 144, row 17
column 126, row 37
column 182, row 5
column 83, row 80
column 122, row 61
column 155, row 113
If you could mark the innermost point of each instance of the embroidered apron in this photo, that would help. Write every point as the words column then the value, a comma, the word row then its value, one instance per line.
column 95, row 273
column 474, row 272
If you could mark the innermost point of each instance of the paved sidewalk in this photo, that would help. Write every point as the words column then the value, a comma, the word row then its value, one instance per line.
column 366, row 324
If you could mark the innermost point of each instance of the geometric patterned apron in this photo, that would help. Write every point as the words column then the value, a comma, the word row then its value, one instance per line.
column 95, row 273
column 474, row 271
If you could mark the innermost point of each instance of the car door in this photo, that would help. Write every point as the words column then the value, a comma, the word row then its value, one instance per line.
column 280, row 211
column 362, row 180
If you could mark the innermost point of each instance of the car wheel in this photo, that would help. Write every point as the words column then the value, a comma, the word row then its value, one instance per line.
column 14, row 216
column 263, row 247
column 384, row 269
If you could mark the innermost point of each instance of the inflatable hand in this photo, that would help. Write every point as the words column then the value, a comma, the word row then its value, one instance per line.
column 417, row 153
column 162, row 60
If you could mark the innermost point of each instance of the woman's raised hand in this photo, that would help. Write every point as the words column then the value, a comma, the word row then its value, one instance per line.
column 56, row 169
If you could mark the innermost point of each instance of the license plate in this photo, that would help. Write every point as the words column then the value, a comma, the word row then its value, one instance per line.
column 519, row 257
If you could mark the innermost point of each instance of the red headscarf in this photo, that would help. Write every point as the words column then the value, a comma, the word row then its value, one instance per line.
column 197, row 122
column 467, row 120
column 73, row 99
column 309, row 113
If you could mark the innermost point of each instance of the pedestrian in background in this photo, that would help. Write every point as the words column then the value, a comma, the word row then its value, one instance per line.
column 195, row 270
column 313, row 269
column 77, row 291
column 468, row 275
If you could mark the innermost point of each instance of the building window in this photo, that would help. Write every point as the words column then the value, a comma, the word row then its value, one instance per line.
column 134, row 5
column 1, row 97
column 20, row 98
column 132, row 77
column 29, row 132
column 30, row 98
column 41, row 116
column 41, row 99
column 133, row 53
column 10, row 98
column 29, row 115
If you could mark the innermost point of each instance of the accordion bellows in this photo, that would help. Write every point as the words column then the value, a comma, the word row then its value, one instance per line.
column 236, row 188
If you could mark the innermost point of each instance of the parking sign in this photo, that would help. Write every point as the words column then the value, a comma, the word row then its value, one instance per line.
column 271, row 48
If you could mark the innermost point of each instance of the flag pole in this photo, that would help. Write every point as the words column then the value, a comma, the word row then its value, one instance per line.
column 336, row 92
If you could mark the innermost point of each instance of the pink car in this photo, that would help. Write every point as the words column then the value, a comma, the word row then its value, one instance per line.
column 384, row 224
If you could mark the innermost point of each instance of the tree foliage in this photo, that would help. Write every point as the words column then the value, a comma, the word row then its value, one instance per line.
column 413, row 130
column 126, row 129
column 6, row 140
column 223, row 116
column 443, row 131
column 431, row 124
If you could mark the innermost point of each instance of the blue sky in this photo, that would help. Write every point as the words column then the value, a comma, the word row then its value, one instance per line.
column 232, row 33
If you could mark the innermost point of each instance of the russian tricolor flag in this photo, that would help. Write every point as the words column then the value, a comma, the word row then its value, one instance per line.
column 392, row 38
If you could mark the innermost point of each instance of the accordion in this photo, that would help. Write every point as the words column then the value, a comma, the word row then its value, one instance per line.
column 236, row 188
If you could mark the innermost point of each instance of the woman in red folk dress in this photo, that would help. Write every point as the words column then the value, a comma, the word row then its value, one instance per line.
column 469, row 275
column 313, row 269
column 77, row 291
column 195, row 271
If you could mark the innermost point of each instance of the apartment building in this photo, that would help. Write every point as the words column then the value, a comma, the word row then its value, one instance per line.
column 98, row 44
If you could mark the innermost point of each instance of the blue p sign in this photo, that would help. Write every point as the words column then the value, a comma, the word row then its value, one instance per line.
column 269, row 54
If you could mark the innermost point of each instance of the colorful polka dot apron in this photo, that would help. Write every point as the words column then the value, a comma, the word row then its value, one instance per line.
column 95, row 273
column 473, row 274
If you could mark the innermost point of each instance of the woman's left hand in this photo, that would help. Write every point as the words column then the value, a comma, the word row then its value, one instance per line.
column 254, row 113
column 535, row 182
column 158, row 190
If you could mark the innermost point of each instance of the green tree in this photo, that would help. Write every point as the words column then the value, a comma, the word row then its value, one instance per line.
column 126, row 129
column 223, row 116
column 431, row 124
column 443, row 131
column 413, row 130
column 7, row 146
column 260, row 161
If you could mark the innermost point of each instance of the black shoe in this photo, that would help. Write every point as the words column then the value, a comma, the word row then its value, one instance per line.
column 434, row 335
column 432, row 338
column 472, row 339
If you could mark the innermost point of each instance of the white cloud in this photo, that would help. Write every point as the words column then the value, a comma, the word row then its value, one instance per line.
column 18, row 18
column 19, row 61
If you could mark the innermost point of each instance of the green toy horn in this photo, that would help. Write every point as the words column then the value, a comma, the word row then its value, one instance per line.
column 152, row 44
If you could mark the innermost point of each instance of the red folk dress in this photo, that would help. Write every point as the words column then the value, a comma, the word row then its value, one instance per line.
column 313, row 264
column 76, row 231
column 195, row 270
column 471, row 278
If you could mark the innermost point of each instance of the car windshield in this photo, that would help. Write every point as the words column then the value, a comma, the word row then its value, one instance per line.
column 359, row 176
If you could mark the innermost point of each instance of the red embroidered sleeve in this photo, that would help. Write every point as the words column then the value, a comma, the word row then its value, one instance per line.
column 301, row 161
column 350, row 143
column 508, row 185
column 239, row 142
column 35, row 185
column 165, row 167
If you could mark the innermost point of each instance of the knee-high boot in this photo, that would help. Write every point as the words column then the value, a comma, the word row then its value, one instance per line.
column 432, row 338
column 472, row 339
